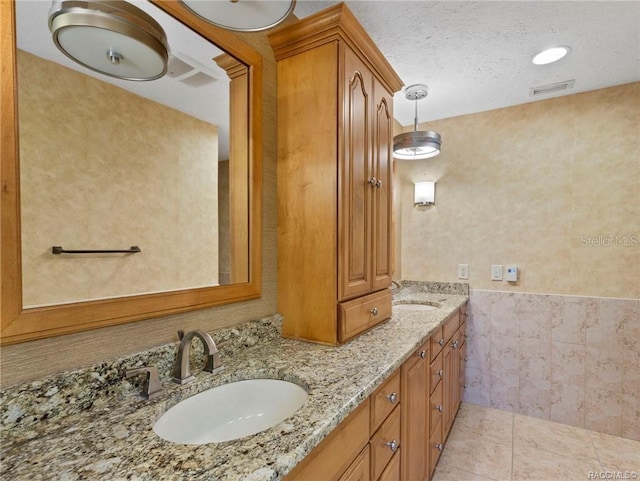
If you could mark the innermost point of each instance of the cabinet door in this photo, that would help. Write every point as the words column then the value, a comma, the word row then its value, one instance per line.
column 462, row 372
column 415, row 416
column 359, row 469
column 355, row 174
column 451, row 380
column 382, row 235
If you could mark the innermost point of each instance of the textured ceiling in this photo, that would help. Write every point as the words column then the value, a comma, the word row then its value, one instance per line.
column 476, row 56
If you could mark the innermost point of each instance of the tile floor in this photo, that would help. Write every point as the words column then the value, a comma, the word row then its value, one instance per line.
column 487, row 444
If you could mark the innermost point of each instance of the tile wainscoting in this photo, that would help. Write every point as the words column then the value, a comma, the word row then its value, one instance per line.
column 568, row 359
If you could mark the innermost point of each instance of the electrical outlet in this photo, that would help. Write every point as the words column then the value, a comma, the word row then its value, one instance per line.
column 496, row 272
column 463, row 271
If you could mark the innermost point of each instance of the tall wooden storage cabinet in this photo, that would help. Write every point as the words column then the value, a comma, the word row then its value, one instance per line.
column 335, row 129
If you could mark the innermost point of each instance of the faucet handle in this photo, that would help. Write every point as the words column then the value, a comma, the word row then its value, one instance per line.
column 152, row 387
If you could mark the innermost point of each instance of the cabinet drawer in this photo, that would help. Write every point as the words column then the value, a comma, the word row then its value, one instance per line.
column 435, row 448
column 359, row 469
column 451, row 326
column 335, row 453
column 462, row 333
column 384, row 399
column 436, row 373
column 392, row 471
column 436, row 408
column 384, row 443
column 360, row 314
column 437, row 342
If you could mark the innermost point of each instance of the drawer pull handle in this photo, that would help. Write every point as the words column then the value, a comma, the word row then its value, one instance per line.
column 374, row 311
column 423, row 354
column 393, row 445
column 393, row 397
column 440, row 408
column 439, row 447
column 441, row 342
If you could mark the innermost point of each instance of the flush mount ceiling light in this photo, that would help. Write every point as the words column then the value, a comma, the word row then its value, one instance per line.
column 241, row 15
column 111, row 37
column 550, row 55
column 419, row 144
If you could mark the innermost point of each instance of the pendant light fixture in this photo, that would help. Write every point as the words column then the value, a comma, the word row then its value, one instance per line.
column 419, row 144
column 241, row 15
column 112, row 37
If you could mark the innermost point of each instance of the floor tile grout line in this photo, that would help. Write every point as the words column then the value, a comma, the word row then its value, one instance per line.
column 596, row 451
column 513, row 442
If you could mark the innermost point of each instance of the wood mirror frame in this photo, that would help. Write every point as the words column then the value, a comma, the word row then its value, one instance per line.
column 18, row 324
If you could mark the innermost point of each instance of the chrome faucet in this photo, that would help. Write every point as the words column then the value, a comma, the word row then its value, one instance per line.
column 181, row 370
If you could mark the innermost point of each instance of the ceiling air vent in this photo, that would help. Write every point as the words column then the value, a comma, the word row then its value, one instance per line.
column 552, row 88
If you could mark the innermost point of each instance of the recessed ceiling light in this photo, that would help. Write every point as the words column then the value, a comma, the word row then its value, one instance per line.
column 550, row 55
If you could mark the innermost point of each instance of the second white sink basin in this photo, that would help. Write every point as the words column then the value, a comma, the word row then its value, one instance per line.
column 230, row 411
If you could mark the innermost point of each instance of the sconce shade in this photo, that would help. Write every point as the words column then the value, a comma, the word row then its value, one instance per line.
column 241, row 15
column 419, row 144
column 114, row 38
column 425, row 193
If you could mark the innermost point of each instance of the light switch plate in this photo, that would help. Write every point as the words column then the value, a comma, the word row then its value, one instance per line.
column 463, row 271
column 496, row 272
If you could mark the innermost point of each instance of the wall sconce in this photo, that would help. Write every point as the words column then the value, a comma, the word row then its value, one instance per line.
column 425, row 193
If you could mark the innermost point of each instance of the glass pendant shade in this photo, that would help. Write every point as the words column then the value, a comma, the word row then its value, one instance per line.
column 241, row 15
column 114, row 38
column 419, row 144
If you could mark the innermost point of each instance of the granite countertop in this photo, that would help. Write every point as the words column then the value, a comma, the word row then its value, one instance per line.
column 112, row 438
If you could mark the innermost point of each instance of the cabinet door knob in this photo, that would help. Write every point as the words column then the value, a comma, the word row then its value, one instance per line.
column 440, row 372
column 454, row 344
column 393, row 397
column 373, row 182
column 466, row 358
column 393, row 445
column 440, row 408
column 439, row 447
column 374, row 311
column 378, row 183
column 441, row 342
column 423, row 354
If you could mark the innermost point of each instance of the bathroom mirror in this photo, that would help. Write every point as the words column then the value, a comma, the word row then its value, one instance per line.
column 94, row 165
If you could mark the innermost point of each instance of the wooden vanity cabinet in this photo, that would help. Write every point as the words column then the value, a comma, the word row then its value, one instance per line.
column 335, row 128
column 343, row 455
column 363, row 447
column 447, row 372
column 415, row 416
column 399, row 432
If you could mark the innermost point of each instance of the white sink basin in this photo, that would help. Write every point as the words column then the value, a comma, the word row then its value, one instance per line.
column 230, row 411
column 416, row 307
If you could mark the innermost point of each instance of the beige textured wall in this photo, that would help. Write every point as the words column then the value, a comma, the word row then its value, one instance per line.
column 33, row 360
column 551, row 186
column 102, row 168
